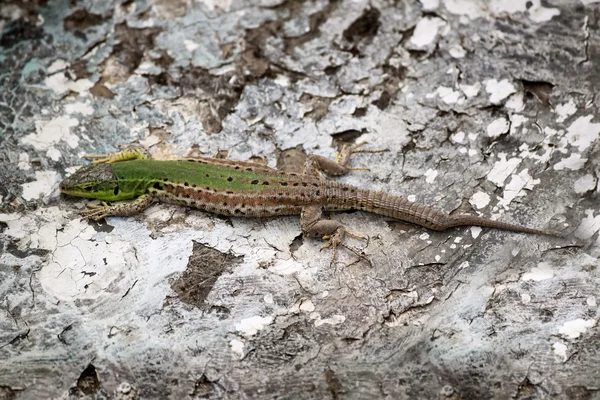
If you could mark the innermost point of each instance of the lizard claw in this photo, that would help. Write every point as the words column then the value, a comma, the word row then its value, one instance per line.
column 96, row 212
column 337, row 239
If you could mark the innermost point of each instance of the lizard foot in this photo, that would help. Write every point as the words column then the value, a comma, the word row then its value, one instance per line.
column 123, row 155
column 337, row 239
column 342, row 157
column 97, row 212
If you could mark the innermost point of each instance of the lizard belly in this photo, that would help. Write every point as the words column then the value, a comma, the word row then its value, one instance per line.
column 228, row 203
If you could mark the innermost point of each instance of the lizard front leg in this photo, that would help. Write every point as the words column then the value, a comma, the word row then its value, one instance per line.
column 97, row 212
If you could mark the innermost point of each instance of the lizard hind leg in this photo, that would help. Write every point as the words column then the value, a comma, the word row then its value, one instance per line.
column 313, row 224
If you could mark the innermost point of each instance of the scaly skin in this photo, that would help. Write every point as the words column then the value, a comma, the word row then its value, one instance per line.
column 245, row 189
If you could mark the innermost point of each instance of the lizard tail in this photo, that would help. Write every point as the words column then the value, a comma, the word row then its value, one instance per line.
column 472, row 220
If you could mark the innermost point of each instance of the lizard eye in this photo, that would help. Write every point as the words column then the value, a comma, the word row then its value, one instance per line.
column 116, row 191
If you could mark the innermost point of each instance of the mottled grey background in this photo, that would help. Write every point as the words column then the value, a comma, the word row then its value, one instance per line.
column 485, row 107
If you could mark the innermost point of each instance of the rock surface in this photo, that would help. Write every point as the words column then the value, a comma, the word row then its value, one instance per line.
column 486, row 107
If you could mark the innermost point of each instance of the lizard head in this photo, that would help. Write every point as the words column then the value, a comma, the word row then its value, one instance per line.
column 95, row 181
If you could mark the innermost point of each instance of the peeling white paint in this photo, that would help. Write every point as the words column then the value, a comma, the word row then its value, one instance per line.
column 582, row 132
column 516, row 120
column 426, row 31
column 412, row 197
column 589, row 225
column 574, row 329
column 430, row 5
column 53, row 153
column 268, row 298
column 542, row 272
column 237, row 347
column 538, row 13
column 79, row 108
column 333, row 320
column 251, row 326
column 574, row 162
column 224, row 5
column 515, row 187
column 480, row 200
column 499, row 90
column 565, row 110
column 502, row 169
column 446, row 94
column 307, row 306
column 458, row 137
column 525, row 298
column 469, row 8
column 49, row 133
column 560, row 350
column 45, row 183
column 591, row 301
column 475, row 232
column 430, row 175
column 498, row 127
column 463, row 265
column 60, row 84
column 57, row 65
column 584, row 184
column 470, row 90
column 424, row 236
column 515, row 102
column 457, row 51
column 190, row 45
column 24, row 164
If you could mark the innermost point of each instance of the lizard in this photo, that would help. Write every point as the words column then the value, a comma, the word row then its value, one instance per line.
column 248, row 189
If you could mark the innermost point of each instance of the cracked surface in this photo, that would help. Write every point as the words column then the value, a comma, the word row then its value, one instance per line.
column 490, row 110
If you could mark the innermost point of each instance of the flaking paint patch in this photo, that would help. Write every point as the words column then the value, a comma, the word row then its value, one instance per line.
column 430, row 175
column 57, row 65
column 333, row 320
column 237, row 347
column 584, row 184
column 565, row 110
column 480, row 200
column 24, row 164
column 446, row 94
column 588, row 226
column 79, row 108
column 502, row 169
column 573, row 329
column 426, row 31
column 457, row 51
column 560, row 350
column 498, row 127
column 574, row 162
column 250, row 326
column 582, row 132
column 430, row 5
column 470, row 90
column 49, row 133
column 60, row 84
column 499, row 90
column 45, row 183
column 542, row 272
column 517, row 185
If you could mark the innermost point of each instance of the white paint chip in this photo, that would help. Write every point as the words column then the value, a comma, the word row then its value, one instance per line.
column 589, row 226
column 498, row 127
column 426, row 31
column 237, row 347
column 268, row 298
column 574, row 162
column 457, row 51
column 574, row 329
column 582, row 132
column 470, row 90
column 44, row 184
column 542, row 272
column 591, row 301
column 24, row 164
column 430, row 5
column 333, row 320
column 57, row 65
column 251, row 326
column 475, row 232
column 584, row 184
column 49, row 133
column 430, row 175
column 307, row 306
column 560, row 350
column 525, row 298
column 60, row 84
column 502, row 169
column 565, row 110
column 79, row 108
column 480, row 200
column 190, row 45
column 499, row 90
